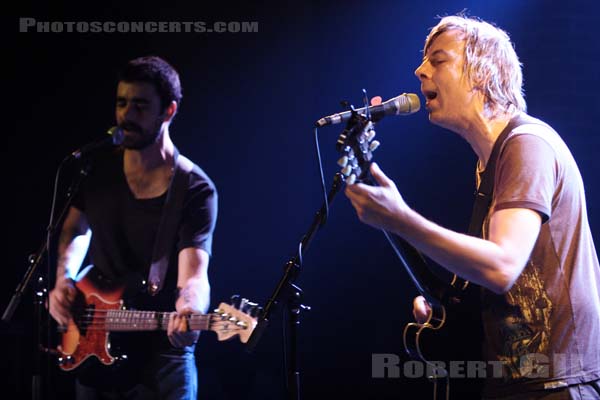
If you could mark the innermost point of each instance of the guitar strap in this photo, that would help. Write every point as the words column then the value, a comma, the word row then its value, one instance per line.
column 169, row 222
column 484, row 194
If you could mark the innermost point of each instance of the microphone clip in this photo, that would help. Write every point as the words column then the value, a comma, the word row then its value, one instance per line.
column 115, row 138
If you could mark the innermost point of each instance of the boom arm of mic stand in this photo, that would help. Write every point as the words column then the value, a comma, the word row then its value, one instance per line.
column 292, row 266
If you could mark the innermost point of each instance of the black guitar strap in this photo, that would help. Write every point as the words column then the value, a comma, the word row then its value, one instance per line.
column 169, row 222
column 484, row 194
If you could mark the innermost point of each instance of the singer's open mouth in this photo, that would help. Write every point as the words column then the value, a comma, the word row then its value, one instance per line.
column 429, row 95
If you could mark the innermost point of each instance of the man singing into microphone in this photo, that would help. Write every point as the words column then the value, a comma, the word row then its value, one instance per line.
column 118, row 213
column 536, row 263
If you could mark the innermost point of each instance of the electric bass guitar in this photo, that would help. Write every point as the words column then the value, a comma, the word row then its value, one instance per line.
column 98, row 311
column 356, row 145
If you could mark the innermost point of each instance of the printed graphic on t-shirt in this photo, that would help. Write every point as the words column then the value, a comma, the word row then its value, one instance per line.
column 526, row 327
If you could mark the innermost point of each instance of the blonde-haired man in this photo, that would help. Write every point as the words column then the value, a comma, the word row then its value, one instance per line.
column 536, row 262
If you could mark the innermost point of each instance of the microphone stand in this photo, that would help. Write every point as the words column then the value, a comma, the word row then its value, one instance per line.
column 290, row 294
column 41, row 289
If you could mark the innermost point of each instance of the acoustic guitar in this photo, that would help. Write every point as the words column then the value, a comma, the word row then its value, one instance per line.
column 356, row 145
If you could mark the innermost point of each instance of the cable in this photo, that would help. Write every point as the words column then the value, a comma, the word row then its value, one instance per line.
column 300, row 255
column 52, row 210
column 320, row 165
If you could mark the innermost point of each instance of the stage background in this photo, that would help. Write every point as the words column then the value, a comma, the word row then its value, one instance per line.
column 250, row 100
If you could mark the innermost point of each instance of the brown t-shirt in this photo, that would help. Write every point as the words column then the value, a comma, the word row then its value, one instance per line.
column 545, row 332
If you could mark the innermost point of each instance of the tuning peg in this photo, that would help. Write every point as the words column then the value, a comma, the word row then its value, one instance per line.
column 347, row 170
column 221, row 313
column 246, row 305
column 371, row 134
column 342, row 162
column 235, row 300
column 341, row 142
column 351, row 179
column 374, row 145
column 255, row 311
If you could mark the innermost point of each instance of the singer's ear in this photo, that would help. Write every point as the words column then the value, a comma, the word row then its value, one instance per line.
column 170, row 111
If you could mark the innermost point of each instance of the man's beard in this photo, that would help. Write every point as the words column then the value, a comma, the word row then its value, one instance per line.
column 143, row 138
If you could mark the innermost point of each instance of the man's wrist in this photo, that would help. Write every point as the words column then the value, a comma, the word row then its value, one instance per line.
column 65, row 280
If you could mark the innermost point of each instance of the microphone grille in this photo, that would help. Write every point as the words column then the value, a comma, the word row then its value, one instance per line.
column 408, row 103
column 117, row 135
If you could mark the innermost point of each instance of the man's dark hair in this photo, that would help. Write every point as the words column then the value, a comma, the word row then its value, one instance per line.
column 158, row 72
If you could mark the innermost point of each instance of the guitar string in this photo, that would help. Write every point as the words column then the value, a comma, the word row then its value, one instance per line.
column 100, row 322
column 99, row 311
column 148, row 316
column 232, row 329
column 136, row 320
column 130, row 314
column 191, row 319
column 218, row 324
column 116, row 318
column 95, row 321
column 95, row 311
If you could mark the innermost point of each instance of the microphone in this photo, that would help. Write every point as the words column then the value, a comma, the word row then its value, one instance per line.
column 115, row 138
column 406, row 103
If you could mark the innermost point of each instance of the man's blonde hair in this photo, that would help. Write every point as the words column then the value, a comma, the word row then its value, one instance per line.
column 491, row 62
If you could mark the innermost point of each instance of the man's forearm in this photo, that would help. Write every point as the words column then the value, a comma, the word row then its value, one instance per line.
column 495, row 263
column 194, row 295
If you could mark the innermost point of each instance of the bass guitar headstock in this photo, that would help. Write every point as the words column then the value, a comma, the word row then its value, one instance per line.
column 236, row 319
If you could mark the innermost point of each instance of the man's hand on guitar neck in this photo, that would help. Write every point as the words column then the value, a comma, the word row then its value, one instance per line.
column 178, row 329
column 421, row 309
column 61, row 299
column 379, row 206
column 193, row 297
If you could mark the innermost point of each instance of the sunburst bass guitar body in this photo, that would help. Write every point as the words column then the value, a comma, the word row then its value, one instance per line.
column 99, row 311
